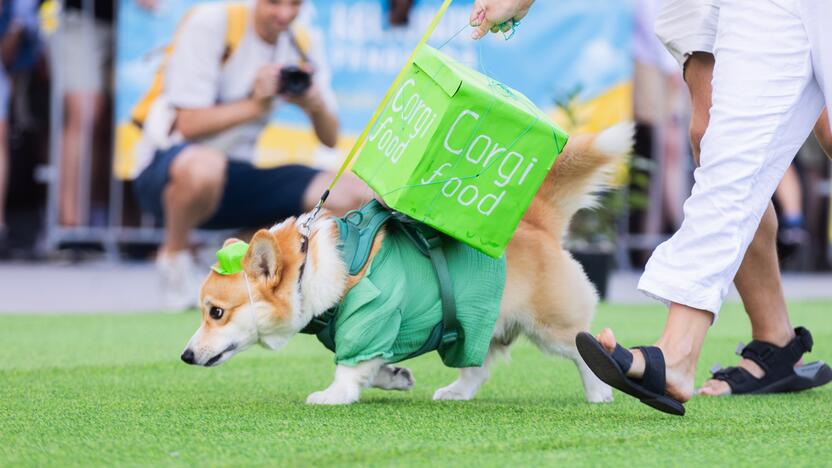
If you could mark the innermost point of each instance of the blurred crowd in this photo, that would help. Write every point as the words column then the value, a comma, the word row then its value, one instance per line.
column 79, row 76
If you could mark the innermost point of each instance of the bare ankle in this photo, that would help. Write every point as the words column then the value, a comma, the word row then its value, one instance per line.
column 676, row 353
column 780, row 336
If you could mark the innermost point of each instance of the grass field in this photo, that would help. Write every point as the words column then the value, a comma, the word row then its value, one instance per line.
column 104, row 390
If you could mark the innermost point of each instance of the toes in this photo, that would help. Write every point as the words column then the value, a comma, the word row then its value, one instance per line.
column 607, row 339
column 714, row 388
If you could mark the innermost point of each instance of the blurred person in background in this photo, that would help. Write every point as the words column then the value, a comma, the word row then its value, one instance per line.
column 658, row 101
column 84, row 58
column 399, row 11
column 791, row 231
column 203, row 128
column 85, row 50
column 814, row 165
column 18, row 50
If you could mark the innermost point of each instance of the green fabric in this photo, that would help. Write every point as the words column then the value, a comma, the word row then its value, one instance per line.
column 230, row 258
column 459, row 152
column 392, row 311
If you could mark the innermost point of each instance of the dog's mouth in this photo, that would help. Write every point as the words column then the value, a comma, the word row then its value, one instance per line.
column 216, row 359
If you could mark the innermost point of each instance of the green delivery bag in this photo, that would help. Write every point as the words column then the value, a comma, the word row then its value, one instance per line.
column 459, row 152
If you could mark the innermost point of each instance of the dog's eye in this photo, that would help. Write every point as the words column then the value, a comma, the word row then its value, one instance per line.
column 216, row 313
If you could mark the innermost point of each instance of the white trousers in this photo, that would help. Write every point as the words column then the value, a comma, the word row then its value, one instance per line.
column 773, row 69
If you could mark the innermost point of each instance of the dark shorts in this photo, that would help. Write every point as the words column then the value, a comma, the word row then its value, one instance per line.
column 252, row 198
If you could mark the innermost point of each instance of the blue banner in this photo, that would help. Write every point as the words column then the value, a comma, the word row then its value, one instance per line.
column 569, row 51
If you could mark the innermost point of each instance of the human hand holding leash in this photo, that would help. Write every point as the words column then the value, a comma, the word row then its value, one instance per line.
column 497, row 15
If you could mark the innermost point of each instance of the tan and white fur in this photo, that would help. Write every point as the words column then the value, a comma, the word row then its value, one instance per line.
column 547, row 298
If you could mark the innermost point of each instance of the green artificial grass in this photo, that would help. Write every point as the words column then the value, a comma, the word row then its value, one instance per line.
column 110, row 390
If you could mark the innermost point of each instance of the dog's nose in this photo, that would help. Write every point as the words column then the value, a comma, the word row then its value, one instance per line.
column 188, row 356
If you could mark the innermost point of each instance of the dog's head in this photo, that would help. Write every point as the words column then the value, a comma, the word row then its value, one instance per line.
column 259, row 304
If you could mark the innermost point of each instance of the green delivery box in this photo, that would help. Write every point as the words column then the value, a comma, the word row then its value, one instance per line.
column 460, row 152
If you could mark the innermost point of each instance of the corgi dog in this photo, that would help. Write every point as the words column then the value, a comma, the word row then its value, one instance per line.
column 286, row 281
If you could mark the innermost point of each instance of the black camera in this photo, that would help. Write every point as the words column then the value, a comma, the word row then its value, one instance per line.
column 294, row 81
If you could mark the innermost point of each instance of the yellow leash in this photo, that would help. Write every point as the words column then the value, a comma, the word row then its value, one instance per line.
column 361, row 138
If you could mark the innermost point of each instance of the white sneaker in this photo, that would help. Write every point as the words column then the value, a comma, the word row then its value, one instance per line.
column 179, row 281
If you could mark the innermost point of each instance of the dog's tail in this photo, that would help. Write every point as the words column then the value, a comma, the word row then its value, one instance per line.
column 583, row 170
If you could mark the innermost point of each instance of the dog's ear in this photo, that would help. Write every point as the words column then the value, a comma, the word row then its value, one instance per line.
column 229, row 241
column 262, row 261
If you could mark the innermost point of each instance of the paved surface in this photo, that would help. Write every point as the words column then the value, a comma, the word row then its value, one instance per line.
column 95, row 287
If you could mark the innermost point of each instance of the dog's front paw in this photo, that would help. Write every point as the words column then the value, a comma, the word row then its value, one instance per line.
column 453, row 391
column 332, row 397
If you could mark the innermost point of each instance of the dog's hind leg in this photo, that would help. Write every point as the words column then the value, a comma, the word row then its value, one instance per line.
column 470, row 378
column 393, row 378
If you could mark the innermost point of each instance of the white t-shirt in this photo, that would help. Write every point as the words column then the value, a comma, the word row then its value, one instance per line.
column 195, row 76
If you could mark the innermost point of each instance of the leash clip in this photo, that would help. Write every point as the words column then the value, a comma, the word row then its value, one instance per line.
column 307, row 224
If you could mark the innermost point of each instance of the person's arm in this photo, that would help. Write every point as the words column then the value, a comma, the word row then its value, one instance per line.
column 497, row 15
column 324, row 121
column 325, row 124
column 319, row 102
column 823, row 133
column 199, row 122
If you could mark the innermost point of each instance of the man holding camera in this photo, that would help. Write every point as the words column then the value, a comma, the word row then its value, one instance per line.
column 216, row 97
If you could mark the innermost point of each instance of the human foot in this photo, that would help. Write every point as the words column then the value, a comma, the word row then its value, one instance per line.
column 770, row 367
column 680, row 367
column 715, row 387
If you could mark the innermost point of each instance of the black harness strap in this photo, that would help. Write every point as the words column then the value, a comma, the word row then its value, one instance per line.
column 429, row 242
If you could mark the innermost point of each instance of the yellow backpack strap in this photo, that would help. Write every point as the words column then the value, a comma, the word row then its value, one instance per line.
column 237, row 19
column 142, row 108
column 236, row 29
column 302, row 41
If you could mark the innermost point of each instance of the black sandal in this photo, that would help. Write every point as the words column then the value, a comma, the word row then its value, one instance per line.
column 612, row 369
column 778, row 363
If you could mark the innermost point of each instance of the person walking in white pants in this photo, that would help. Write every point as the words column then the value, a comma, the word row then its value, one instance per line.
column 772, row 78
column 688, row 30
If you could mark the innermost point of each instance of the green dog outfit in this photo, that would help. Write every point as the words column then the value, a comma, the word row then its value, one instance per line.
column 409, row 302
column 421, row 292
